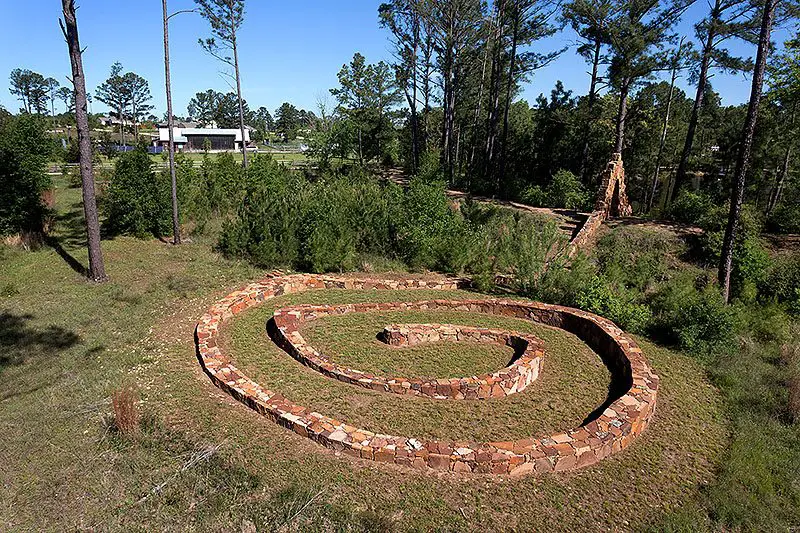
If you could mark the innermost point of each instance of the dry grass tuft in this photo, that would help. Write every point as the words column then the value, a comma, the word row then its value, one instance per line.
column 126, row 415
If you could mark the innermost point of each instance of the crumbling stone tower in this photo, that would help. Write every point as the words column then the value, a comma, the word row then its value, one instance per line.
column 612, row 200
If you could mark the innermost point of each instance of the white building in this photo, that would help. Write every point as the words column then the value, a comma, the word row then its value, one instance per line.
column 198, row 139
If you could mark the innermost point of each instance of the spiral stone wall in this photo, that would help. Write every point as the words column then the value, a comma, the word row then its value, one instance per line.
column 626, row 414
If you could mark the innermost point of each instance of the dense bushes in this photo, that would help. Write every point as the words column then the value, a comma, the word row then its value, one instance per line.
column 690, row 207
column 336, row 222
column 782, row 282
column 564, row 190
column 785, row 218
column 137, row 201
column 24, row 150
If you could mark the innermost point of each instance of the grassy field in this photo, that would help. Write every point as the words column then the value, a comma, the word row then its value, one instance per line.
column 203, row 461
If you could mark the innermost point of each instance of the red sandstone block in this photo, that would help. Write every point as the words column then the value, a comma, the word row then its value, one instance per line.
column 439, row 461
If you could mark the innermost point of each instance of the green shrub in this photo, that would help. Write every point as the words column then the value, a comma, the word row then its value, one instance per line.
column 265, row 230
column 566, row 190
column 534, row 195
column 637, row 258
column 601, row 298
column 782, row 282
column 24, row 151
column 696, row 319
column 785, row 219
column 750, row 259
column 425, row 220
column 690, row 207
column 137, row 201
column 339, row 221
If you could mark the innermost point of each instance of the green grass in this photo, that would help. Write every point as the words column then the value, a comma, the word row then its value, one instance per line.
column 351, row 340
column 64, row 467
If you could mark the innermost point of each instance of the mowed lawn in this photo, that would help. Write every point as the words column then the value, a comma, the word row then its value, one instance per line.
column 203, row 461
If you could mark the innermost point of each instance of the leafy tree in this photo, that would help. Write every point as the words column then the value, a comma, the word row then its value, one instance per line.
column 229, row 109
column 768, row 12
column 115, row 93
column 784, row 80
column 31, row 88
column 591, row 20
column 728, row 18
column 287, row 120
column 138, row 90
column 203, row 107
column 638, row 36
column 455, row 29
column 137, row 201
column 67, row 96
column 225, row 18
column 366, row 95
column 263, row 121
column 52, row 94
column 404, row 19
column 24, row 151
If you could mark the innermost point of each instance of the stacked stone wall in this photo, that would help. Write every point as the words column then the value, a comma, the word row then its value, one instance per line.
column 627, row 412
column 612, row 201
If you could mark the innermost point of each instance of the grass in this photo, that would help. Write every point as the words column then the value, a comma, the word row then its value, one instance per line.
column 203, row 461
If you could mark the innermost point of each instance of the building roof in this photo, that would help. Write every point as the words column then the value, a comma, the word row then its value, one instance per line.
column 163, row 132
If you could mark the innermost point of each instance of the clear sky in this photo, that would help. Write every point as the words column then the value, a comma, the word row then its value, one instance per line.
column 289, row 51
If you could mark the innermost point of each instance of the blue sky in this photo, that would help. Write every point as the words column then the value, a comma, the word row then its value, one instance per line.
column 290, row 51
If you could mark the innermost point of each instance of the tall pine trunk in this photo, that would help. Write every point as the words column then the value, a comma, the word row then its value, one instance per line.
column 694, row 118
column 743, row 161
column 780, row 182
column 622, row 114
column 478, row 104
column 592, row 100
column 509, row 88
column 238, row 89
column 494, row 92
column 69, row 27
column 176, row 226
column 663, row 139
column 122, row 124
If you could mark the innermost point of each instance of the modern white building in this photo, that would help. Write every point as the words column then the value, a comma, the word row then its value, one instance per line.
column 198, row 139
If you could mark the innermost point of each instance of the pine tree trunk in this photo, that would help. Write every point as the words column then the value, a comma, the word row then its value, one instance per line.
column 69, row 26
column 663, row 140
column 622, row 114
column 494, row 93
column 121, row 125
column 509, row 86
column 238, row 90
column 592, row 100
column 478, row 104
column 780, row 183
column 412, row 101
column 176, row 226
column 743, row 161
column 694, row 118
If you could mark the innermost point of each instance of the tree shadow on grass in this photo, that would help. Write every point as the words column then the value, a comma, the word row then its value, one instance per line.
column 73, row 263
column 20, row 342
